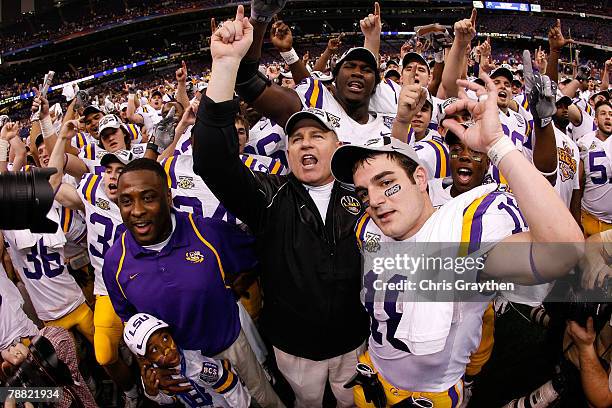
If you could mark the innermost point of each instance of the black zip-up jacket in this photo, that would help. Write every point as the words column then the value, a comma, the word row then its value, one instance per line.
column 311, row 270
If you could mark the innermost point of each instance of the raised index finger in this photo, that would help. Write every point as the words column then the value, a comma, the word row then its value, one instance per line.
column 376, row 9
column 240, row 13
column 411, row 76
column 473, row 17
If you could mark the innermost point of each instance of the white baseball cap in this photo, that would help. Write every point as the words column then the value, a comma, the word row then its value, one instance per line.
column 110, row 121
column 346, row 156
column 318, row 115
column 138, row 329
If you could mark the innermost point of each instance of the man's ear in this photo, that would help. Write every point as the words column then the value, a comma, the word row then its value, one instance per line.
column 420, row 178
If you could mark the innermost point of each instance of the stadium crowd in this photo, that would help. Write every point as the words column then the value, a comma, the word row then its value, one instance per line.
column 220, row 227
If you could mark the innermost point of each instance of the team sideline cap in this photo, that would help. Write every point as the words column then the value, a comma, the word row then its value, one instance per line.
column 109, row 122
column 91, row 109
column 138, row 330
column 503, row 71
column 120, row 156
column 414, row 56
column 311, row 113
column 346, row 156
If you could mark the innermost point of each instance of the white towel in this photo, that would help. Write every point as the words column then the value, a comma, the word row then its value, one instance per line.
column 424, row 326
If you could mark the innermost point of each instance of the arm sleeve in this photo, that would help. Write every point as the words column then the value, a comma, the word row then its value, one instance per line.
column 217, row 161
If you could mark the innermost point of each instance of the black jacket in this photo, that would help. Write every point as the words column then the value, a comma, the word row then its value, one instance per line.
column 311, row 271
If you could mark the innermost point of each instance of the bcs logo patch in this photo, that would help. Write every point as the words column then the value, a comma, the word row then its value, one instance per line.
column 185, row 182
column 388, row 121
column 194, row 257
column 138, row 150
column 209, row 373
column 351, row 204
column 103, row 204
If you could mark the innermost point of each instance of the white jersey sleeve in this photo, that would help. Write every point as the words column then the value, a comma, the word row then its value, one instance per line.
column 14, row 324
column 384, row 100
column 104, row 224
column 586, row 126
column 149, row 115
column 439, row 191
column 53, row 291
column 267, row 138
column 516, row 128
column 434, row 157
column 597, row 197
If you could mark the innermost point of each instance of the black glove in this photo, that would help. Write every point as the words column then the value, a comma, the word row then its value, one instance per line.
column 541, row 93
column 372, row 388
column 163, row 132
column 263, row 11
column 414, row 402
column 583, row 73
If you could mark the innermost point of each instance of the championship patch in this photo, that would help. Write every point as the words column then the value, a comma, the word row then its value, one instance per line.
column 103, row 204
column 333, row 120
column 209, row 373
column 194, row 257
column 351, row 204
column 393, row 190
column 185, row 182
column 138, row 150
column 371, row 242
column 567, row 163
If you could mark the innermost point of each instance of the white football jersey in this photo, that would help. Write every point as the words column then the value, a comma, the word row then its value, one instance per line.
column 53, row 291
column 191, row 194
column 439, row 190
column 92, row 153
column 183, row 146
column 134, row 132
column 515, row 127
column 587, row 125
column 267, row 138
column 14, row 324
column 433, row 153
column 81, row 139
column 315, row 95
column 149, row 115
column 568, row 158
column 488, row 219
column 597, row 197
column 104, row 224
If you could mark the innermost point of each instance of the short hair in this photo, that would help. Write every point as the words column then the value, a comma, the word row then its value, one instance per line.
column 146, row 164
column 404, row 162
column 602, row 103
column 243, row 119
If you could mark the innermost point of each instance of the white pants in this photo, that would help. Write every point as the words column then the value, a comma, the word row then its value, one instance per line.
column 308, row 377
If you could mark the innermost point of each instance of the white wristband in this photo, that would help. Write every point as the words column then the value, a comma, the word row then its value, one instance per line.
column 4, row 148
column 500, row 149
column 46, row 127
column 290, row 56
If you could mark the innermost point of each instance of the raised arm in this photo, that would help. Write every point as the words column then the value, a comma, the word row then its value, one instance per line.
column 181, row 87
column 65, row 194
column 371, row 27
column 550, row 222
column 465, row 30
column 282, row 39
column 9, row 132
column 131, row 114
column 556, row 42
column 333, row 45
column 411, row 99
column 215, row 141
column 605, row 77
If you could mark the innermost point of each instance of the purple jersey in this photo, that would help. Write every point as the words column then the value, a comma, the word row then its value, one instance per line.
column 185, row 283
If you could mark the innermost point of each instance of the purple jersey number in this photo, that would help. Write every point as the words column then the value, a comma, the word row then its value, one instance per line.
column 48, row 263
column 107, row 238
column 598, row 168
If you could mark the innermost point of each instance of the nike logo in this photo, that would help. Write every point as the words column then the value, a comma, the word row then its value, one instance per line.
column 133, row 276
column 383, row 134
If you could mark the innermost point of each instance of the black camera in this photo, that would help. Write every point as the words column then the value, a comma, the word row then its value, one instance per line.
column 25, row 199
column 580, row 304
column 42, row 367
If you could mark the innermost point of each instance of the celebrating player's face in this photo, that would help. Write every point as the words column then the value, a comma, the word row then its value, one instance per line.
column 110, row 177
column 91, row 123
column 156, row 101
column 243, row 135
column 43, row 156
column 504, row 91
column 421, row 120
column 113, row 140
column 421, row 73
column 355, row 82
column 392, row 199
column 604, row 119
column 144, row 202
column 162, row 350
column 468, row 168
column 309, row 153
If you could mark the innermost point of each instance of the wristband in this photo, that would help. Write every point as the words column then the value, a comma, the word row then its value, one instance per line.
column 552, row 173
column 4, row 148
column 290, row 56
column 500, row 149
column 46, row 127
column 154, row 147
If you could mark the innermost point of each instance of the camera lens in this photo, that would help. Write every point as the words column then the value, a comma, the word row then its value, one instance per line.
column 25, row 199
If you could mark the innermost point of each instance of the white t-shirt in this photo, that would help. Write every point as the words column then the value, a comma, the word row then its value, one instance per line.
column 321, row 196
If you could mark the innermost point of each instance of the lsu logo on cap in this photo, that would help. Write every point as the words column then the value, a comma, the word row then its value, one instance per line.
column 351, row 204
column 194, row 257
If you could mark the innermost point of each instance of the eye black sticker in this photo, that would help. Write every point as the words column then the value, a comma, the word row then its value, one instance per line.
column 395, row 189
